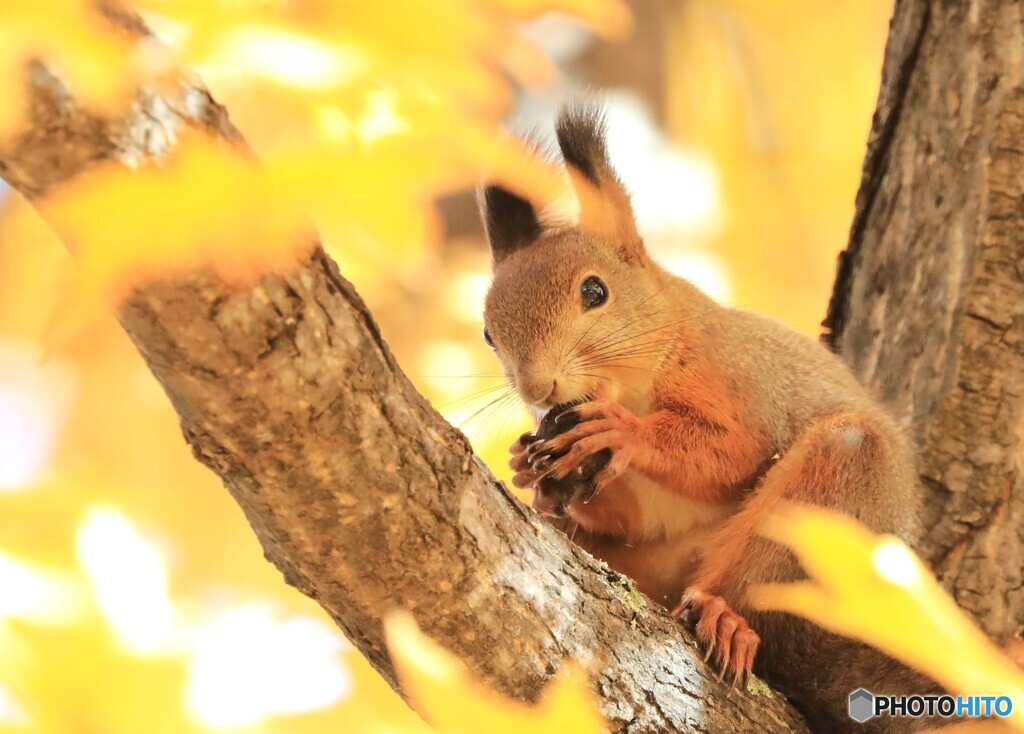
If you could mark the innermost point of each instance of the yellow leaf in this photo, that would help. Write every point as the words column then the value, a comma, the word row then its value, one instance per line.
column 395, row 119
column 873, row 588
column 98, row 64
column 206, row 205
column 453, row 701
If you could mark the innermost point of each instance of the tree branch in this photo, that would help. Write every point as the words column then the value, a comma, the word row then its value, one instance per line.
column 360, row 493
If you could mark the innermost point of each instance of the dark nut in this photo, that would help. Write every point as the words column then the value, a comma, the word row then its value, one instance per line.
column 557, row 494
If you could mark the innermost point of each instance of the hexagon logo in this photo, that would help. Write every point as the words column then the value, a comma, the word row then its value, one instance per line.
column 861, row 705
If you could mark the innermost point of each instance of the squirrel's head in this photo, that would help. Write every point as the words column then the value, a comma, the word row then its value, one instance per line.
column 572, row 310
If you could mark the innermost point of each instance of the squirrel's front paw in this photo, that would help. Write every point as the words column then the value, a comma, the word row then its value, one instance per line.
column 721, row 631
column 600, row 425
column 525, row 475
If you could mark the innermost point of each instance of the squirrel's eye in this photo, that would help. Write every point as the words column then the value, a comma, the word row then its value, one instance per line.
column 487, row 338
column 594, row 292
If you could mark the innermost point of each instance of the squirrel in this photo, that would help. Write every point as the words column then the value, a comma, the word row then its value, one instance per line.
column 683, row 423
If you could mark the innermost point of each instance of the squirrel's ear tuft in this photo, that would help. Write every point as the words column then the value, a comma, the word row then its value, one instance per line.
column 604, row 203
column 580, row 130
column 510, row 221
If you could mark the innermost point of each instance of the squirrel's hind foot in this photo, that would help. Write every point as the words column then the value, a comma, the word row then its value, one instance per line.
column 721, row 631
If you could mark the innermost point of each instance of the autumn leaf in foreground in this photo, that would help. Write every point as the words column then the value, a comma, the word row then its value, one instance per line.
column 453, row 701
column 208, row 205
column 75, row 41
column 205, row 205
column 875, row 589
column 402, row 103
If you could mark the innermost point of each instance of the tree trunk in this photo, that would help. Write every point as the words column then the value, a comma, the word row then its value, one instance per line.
column 360, row 493
column 928, row 306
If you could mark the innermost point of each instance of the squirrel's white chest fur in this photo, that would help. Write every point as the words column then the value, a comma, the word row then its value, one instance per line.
column 667, row 514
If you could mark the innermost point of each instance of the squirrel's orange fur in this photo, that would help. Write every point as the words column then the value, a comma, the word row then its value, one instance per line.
column 713, row 416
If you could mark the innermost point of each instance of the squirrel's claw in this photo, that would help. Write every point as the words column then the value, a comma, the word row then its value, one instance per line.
column 525, row 475
column 561, row 443
column 721, row 631
column 519, row 461
column 522, row 443
column 612, row 471
column 542, row 465
column 581, row 449
column 601, row 425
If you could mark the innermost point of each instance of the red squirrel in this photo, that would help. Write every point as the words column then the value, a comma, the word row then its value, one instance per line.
column 712, row 416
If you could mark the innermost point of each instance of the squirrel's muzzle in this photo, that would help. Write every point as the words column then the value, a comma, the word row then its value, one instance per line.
column 535, row 388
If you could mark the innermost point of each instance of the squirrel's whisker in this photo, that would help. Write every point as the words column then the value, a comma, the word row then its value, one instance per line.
column 628, row 324
column 465, row 399
column 668, row 325
column 603, row 341
column 613, row 363
column 632, row 350
column 493, row 403
column 620, row 383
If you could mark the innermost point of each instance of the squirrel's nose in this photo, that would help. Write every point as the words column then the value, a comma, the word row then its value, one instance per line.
column 536, row 390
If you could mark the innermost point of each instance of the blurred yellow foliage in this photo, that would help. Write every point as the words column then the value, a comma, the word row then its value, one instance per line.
column 779, row 93
column 406, row 100
column 877, row 590
column 126, row 227
column 72, row 38
column 434, row 679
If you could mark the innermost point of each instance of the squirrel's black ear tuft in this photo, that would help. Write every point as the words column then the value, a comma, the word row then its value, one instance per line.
column 580, row 130
column 604, row 202
column 510, row 221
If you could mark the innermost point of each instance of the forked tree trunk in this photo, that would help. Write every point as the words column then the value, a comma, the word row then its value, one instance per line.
column 367, row 500
column 928, row 305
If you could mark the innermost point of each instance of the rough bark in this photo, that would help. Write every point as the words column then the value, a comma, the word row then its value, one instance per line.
column 928, row 305
column 361, row 494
